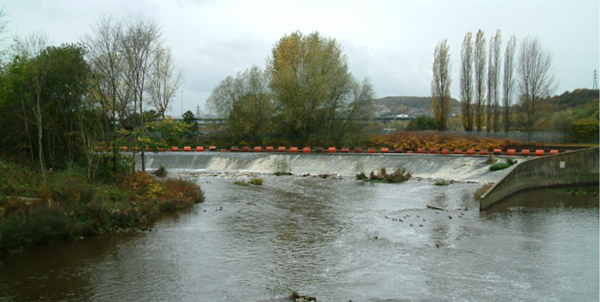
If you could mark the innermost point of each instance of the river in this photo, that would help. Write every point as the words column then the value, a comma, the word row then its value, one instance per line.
column 336, row 239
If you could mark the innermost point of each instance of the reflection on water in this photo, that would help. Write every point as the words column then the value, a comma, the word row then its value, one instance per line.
column 562, row 197
column 333, row 239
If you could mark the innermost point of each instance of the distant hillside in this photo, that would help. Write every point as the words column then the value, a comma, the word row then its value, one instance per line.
column 576, row 98
column 412, row 106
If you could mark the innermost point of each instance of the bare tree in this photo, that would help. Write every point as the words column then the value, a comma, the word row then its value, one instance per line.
column 493, row 107
column 479, row 65
column 164, row 80
column 440, row 86
column 508, row 82
column 466, row 82
column 535, row 79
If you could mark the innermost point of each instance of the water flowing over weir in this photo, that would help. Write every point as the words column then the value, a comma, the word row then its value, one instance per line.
column 449, row 167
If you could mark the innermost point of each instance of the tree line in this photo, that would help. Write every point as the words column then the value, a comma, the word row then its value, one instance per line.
column 487, row 105
column 305, row 95
column 57, row 103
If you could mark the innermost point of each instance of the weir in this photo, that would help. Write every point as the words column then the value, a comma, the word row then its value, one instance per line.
column 448, row 167
column 577, row 168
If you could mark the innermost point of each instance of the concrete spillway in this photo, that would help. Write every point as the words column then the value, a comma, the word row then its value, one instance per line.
column 449, row 167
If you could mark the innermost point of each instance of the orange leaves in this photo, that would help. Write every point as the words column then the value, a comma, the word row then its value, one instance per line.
column 427, row 140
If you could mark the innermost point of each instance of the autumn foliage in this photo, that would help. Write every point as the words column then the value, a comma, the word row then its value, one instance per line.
column 435, row 140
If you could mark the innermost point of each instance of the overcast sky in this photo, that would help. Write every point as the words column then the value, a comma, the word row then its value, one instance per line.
column 389, row 42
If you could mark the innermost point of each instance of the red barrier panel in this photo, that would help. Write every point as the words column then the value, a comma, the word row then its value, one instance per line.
column 257, row 149
column 410, row 152
column 498, row 151
column 525, row 152
column 223, row 150
column 124, row 148
column 332, row 149
column 245, row 149
column 270, row 149
column 306, row 150
column 470, row 152
column 511, row 152
column 539, row 152
column 385, row 150
column 187, row 148
column 372, row 150
column 212, row 148
column 445, row 151
column 174, row 148
column 420, row 150
column 234, row 149
column 281, row 149
column 458, row 151
column 358, row 150
column 345, row 150
column 199, row 149
column 294, row 149
column 554, row 152
column 433, row 151
column 319, row 149
column 484, row 152
column 398, row 150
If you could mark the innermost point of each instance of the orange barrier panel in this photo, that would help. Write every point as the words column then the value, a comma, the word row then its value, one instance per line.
column 385, row 150
column 124, row 148
column 445, row 151
column 484, row 152
column 149, row 149
column 332, row 149
column 470, row 152
column 162, row 149
column 458, row 151
column 223, row 150
column 98, row 148
column 234, row 149
column 358, row 150
column 199, row 149
column 372, row 150
column 174, row 148
column 294, row 149
column 345, row 150
column 420, row 150
column 136, row 148
column 525, row 152
column 306, row 150
column 245, row 149
column 554, row 152
column 433, row 151
column 187, row 148
column 498, row 151
column 281, row 149
column 270, row 149
column 212, row 148
column 319, row 149
column 539, row 152
column 398, row 150
column 257, row 149
column 511, row 152
column 410, row 152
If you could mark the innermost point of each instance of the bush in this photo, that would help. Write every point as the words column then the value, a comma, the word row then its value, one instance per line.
column 399, row 175
column 256, row 181
column 441, row 182
column 501, row 166
column 160, row 172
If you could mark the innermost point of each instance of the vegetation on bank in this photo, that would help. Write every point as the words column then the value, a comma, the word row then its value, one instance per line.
column 439, row 140
column 66, row 205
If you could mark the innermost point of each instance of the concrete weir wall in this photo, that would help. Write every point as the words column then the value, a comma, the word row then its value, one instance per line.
column 572, row 168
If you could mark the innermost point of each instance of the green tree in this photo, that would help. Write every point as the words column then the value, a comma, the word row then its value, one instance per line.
column 421, row 123
column 318, row 100
column 246, row 103
column 466, row 82
column 440, row 85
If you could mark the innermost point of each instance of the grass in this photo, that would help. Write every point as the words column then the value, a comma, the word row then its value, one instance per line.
column 501, row 166
column 253, row 181
column 441, row 182
column 67, row 206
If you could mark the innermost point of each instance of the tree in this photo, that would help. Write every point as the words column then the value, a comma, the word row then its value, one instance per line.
column 164, row 80
column 535, row 79
column 479, row 66
column 422, row 122
column 440, row 86
column 466, row 82
column 508, row 81
column 493, row 106
column 246, row 103
column 317, row 98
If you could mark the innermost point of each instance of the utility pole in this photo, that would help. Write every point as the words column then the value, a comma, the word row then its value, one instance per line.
column 595, row 85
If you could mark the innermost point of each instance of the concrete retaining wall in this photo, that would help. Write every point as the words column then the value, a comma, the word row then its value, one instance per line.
column 572, row 168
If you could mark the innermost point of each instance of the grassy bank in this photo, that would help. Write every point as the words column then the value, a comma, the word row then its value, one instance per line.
column 67, row 206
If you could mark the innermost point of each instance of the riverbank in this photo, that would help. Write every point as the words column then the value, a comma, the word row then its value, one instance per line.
column 67, row 206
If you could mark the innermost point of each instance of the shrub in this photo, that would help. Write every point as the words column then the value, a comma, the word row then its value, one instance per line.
column 501, row 166
column 399, row 175
column 441, row 182
column 160, row 172
column 361, row 176
column 256, row 181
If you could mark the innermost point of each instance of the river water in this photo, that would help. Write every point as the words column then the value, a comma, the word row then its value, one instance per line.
column 336, row 239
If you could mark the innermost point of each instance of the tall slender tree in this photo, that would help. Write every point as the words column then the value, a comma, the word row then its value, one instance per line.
column 466, row 82
column 440, row 85
column 164, row 80
column 535, row 79
column 479, row 66
column 508, row 82
column 493, row 107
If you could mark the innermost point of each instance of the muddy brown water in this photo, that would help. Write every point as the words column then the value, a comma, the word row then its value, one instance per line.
column 336, row 239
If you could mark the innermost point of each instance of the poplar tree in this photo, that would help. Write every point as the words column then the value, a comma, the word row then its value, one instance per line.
column 440, row 86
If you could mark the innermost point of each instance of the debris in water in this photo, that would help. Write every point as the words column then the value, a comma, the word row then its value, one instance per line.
column 436, row 208
column 304, row 298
